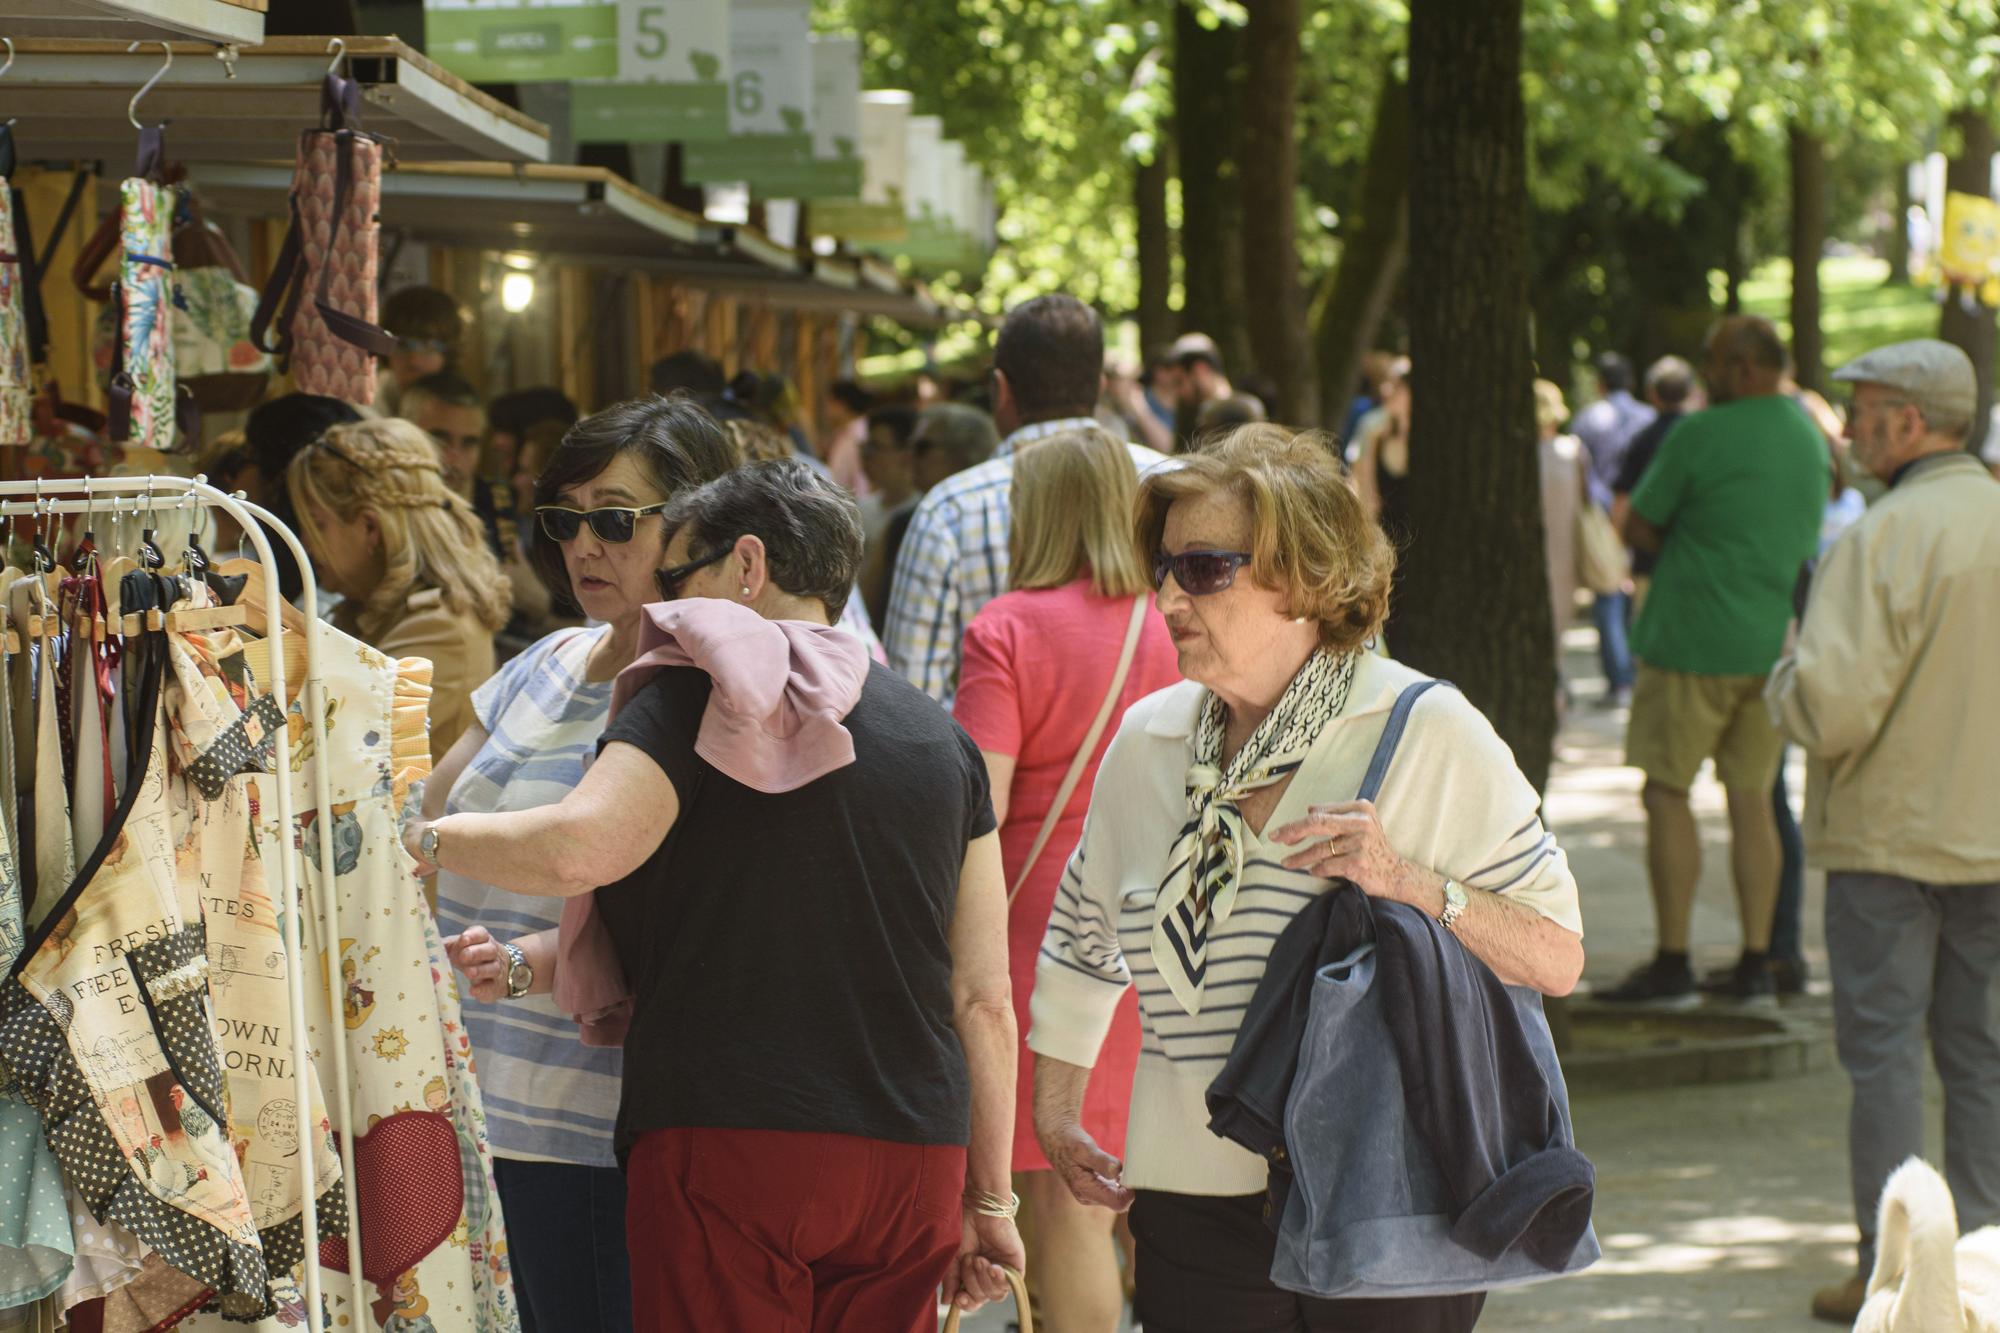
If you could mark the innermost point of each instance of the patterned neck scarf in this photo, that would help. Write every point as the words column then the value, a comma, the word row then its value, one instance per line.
column 1207, row 859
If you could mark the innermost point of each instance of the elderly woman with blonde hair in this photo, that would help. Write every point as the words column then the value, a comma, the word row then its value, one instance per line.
column 407, row 554
column 1224, row 806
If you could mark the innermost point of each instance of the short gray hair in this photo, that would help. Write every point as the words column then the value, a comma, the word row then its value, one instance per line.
column 966, row 433
column 1671, row 380
column 810, row 527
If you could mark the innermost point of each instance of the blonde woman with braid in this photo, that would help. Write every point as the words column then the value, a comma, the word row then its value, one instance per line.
column 407, row 553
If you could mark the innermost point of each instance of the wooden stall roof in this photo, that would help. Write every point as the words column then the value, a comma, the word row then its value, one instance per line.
column 240, row 22
column 70, row 99
column 581, row 214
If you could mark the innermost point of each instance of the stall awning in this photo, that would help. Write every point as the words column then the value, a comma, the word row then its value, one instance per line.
column 70, row 98
column 582, row 214
column 240, row 22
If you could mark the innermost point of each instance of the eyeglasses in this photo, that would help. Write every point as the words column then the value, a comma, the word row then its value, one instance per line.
column 612, row 524
column 1199, row 573
column 414, row 346
column 671, row 579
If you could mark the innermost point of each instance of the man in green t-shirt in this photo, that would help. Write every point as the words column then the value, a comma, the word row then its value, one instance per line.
column 1732, row 504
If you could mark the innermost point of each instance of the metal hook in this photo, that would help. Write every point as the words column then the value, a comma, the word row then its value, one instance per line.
column 132, row 107
column 338, row 47
column 7, row 42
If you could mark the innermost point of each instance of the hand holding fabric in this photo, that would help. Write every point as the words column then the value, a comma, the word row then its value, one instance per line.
column 479, row 957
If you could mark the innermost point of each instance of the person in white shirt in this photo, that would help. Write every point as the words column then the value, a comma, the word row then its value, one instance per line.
column 1222, row 807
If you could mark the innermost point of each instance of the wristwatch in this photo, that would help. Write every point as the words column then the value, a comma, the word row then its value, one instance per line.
column 427, row 843
column 520, row 977
column 1454, row 904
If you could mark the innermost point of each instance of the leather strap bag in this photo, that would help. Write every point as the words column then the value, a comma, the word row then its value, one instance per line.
column 1085, row 751
column 330, row 342
column 1026, row 1315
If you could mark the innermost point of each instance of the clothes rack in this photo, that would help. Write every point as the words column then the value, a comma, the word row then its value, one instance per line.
column 103, row 495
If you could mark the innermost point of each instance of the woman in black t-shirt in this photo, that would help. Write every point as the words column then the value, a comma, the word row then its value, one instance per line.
column 819, row 1069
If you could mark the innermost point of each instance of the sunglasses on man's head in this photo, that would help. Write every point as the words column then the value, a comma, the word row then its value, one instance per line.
column 614, row 524
column 671, row 578
column 1199, row 573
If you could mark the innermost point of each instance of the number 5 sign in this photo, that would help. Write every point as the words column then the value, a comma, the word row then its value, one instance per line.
column 672, row 41
column 673, row 63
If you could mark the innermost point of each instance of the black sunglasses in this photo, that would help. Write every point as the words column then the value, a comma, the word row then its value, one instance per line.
column 671, row 579
column 1199, row 573
column 614, row 525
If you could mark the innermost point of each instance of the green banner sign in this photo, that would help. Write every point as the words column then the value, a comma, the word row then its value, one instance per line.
column 649, row 112
column 525, row 44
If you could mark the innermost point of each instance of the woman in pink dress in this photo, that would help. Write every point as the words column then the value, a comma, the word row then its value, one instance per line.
column 1038, row 664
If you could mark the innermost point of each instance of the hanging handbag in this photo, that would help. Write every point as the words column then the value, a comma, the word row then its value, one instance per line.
column 1087, row 749
column 146, row 411
column 17, row 291
column 329, row 342
column 222, row 369
column 1601, row 563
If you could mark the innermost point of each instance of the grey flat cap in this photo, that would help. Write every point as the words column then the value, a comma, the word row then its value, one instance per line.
column 1936, row 376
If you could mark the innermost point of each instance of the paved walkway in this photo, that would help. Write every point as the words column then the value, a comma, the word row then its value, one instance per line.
column 1719, row 1207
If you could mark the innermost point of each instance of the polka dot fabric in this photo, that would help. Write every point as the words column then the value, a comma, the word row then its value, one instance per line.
column 126, row 1081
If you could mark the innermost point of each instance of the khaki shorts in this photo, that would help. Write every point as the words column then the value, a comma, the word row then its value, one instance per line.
column 1679, row 719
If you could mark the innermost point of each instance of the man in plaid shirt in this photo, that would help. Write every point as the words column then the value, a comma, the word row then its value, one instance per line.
column 1048, row 367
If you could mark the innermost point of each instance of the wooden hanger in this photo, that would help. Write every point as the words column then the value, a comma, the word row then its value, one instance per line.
column 255, row 595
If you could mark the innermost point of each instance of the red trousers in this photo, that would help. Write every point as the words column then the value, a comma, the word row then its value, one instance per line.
column 762, row 1231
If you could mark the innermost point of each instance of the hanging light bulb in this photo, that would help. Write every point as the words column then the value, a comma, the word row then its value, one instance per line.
column 517, row 291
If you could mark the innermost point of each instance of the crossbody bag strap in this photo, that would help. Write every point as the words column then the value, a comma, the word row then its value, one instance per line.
column 1089, row 746
column 1392, row 736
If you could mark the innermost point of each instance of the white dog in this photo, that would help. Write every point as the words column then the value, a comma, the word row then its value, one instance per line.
column 1927, row 1279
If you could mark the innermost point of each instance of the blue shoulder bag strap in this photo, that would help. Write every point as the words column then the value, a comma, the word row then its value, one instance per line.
column 1392, row 736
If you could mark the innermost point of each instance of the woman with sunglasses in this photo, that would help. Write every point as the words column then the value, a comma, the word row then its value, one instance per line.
column 596, row 543
column 1223, row 807
column 1041, row 663
column 408, row 556
column 794, row 857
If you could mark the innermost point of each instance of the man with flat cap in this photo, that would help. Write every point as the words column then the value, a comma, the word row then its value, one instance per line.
column 1888, row 691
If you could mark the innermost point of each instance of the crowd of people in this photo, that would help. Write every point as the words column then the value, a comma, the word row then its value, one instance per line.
column 761, row 1050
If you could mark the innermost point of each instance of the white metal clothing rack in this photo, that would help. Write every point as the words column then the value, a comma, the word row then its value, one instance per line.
column 105, row 495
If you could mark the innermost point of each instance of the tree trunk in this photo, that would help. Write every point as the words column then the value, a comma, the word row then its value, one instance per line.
column 1156, row 252
column 1271, row 280
column 1474, row 596
column 1966, row 321
column 1897, row 242
column 1372, row 251
column 1208, row 122
column 1809, row 205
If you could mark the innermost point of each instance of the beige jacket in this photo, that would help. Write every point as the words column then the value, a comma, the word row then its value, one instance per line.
column 1889, row 688
column 459, row 649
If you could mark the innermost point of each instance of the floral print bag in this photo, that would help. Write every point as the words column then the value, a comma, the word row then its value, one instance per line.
column 330, row 341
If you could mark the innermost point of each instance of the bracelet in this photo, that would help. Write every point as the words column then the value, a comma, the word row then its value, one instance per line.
column 992, row 1205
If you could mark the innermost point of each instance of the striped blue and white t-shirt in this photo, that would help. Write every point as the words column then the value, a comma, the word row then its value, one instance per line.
column 549, row 1098
column 1454, row 801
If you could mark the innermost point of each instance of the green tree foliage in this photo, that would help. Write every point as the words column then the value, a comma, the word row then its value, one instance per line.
column 1055, row 100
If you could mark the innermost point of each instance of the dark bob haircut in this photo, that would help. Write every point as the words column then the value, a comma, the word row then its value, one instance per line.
column 673, row 439
column 810, row 527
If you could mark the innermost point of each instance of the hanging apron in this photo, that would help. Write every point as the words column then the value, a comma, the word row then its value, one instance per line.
column 36, row 1246
column 220, row 728
column 105, row 1019
column 407, row 1052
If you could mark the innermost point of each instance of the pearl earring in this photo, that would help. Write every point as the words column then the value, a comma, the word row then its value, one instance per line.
column 746, row 590
column 1298, row 620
